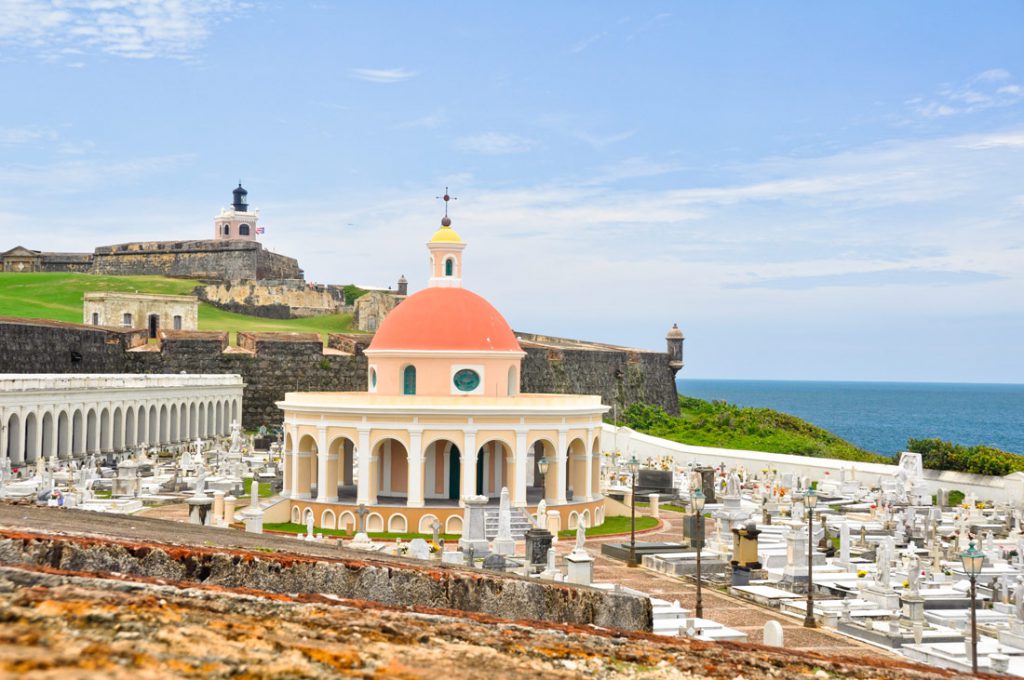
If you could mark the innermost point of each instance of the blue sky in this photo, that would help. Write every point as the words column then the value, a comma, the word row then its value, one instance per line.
column 811, row 190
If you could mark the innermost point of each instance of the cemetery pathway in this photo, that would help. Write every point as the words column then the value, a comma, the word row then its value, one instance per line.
column 719, row 606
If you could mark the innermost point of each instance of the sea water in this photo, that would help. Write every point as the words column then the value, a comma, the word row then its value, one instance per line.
column 879, row 416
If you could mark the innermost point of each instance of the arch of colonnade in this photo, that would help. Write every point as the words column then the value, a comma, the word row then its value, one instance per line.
column 63, row 416
column 421, row 468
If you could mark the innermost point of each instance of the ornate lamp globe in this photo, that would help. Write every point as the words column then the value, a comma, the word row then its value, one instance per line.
column 972, row 560
column 810, row 498
column 698, row 501
column 542, row 465
column 634, row 465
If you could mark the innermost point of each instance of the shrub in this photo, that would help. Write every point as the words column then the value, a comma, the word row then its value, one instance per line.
column 937, row 454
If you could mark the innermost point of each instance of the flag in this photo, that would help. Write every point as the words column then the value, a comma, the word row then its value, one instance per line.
column 259, row 230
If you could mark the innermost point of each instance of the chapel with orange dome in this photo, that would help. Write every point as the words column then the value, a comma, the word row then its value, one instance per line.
column 442, row 420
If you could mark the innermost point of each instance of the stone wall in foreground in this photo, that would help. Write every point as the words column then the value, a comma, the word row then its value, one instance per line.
column 228, row 260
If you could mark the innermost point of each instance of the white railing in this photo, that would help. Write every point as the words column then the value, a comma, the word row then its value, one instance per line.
column 40, row 382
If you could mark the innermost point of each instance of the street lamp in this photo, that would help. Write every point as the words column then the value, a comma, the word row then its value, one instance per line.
column 634, row 470
column 810, row 500
column 697, row 502
column 972, row 560
column 542, row 467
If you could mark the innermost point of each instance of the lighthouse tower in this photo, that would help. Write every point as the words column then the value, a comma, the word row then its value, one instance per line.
column 237, row 222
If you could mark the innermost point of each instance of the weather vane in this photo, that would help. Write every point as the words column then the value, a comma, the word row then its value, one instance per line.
column 446, row 198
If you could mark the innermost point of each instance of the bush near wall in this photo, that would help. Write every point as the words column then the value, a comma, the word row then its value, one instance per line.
column 937, row 454
column 719, row 424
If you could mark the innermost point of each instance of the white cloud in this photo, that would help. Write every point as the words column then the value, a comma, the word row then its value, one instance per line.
column 382, row 75
column 431, row 120
column 599, row 141
column 586, row 42
column 25, row 135
column 986, row 90
column 494, row 143
column 135, row 29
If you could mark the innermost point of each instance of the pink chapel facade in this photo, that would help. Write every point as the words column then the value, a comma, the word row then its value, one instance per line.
column 443, row 380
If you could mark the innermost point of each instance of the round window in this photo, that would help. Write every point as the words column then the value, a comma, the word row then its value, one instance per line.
column 466, row 380
column 373, row 377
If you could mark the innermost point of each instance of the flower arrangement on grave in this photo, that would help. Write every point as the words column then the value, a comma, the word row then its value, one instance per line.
column 906, row 583
column 433, row 547
column 861, row 573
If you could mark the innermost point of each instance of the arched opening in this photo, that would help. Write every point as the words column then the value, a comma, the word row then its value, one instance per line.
column 63, row 435
column 183, row 422
column 172, row 430
column 306, row 479
column 398, row 524
column 409, row 380
column 31, row 431
column 129, row 428
column 193, row 422
column 449, row 267
column 453, row 525
column 153, row 323
column 393, row 470
column 576, row 479
column 117, row 430
column 165, row 424
column 442, row 471
column 234, row 411
column 176, row 322
column 226, row 230
column 344, row 473
column 541, row 486
column 427, row 523
column 492, row 468
column 154, row 426
column 243, row 229
column 513, row 381
column 374, row 523
column 77, row 434
column 327, row 520
column 48, row 439
column 105, row 434
column 91, row 432
column 141, row 429
column 15, row 442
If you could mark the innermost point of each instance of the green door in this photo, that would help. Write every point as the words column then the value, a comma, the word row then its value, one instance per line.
column 454, row 473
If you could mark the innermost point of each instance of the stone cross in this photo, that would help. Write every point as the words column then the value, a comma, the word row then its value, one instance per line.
column 309, row 527
column 362, row 512
column 435, row 527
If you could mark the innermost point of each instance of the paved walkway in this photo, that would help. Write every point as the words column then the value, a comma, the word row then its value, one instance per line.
column 718, row 606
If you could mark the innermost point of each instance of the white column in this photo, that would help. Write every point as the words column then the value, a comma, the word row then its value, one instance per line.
column 40, row 454
column 519, row 494
column 321, row 464
column 414, row 481
column 295, row 464
column 469, row 453
column 588, row 485
column 363, row 462
column 4, row 415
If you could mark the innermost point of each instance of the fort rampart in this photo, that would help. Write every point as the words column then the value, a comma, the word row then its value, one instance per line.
column 272, row 364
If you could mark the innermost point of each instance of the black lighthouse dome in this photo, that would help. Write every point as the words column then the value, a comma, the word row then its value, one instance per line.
column 240, row 202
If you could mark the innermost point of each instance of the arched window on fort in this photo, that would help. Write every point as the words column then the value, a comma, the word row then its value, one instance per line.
column 409, row 380
column 243, row 229
column 449, row 267
column 177, row 322
column 227, row 230
column 126, row 320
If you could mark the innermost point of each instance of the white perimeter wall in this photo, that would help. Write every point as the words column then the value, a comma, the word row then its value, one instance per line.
column 627, row 441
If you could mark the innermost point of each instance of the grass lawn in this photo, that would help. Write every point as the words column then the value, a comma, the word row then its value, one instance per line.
column 662, row 506
column 292, row 528
column 613, row 525
column 58, row 296
column 264, row 492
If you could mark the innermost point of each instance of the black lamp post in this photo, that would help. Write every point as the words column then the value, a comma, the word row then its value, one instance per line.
column 634, row 470
column 697, row 502
column 972, row 560
column 810, row 500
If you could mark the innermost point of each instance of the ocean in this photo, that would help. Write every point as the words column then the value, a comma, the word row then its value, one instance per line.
column 879, row 416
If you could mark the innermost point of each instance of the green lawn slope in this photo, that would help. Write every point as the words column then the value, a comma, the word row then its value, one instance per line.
column 704, row 423
column 58, row 296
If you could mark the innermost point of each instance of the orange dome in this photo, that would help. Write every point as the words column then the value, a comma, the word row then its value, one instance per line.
column 445, row 319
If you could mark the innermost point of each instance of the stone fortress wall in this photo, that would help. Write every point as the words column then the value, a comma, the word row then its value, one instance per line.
column 222, row 260
column 272, row 364
column 276, row 298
